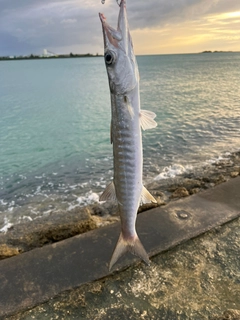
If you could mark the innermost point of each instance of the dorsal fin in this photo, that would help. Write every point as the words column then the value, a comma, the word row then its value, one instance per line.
column 146, row 197
column 146, row 119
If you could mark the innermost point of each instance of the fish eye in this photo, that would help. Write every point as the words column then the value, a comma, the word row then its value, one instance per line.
column 109, row 57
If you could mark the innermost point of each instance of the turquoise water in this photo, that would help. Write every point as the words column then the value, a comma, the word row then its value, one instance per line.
column 54, row 125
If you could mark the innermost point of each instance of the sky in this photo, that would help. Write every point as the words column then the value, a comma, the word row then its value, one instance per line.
column 157, row 26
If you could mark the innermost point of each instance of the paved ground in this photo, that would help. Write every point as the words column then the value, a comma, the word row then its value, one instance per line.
column 198, row 279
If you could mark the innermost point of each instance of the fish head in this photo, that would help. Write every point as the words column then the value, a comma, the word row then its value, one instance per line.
column 119, row 55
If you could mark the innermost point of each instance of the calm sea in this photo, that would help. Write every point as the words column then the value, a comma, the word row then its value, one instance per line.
column 55, row 150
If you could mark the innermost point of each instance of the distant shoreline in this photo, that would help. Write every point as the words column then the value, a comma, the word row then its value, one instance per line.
column 61, row 56
column 89, row 55
column 209, row 51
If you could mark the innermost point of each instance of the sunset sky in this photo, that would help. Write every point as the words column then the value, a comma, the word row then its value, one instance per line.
column 157, row 26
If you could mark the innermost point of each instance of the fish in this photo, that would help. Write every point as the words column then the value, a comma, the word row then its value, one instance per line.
column 127, row 119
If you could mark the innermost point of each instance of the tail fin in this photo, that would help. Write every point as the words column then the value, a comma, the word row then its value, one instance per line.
column 134, row 246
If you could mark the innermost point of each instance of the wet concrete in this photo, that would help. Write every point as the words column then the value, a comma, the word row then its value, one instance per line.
column 196, row 280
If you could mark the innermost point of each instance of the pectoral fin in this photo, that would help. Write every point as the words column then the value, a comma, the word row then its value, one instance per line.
column 109, row 193
column 129, row 106
column 146, row 197
column 146, row 119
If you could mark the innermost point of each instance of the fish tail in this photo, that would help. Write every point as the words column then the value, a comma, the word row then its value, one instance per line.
column 132, row 245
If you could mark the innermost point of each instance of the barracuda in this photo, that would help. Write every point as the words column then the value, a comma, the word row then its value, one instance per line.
column 127, row 119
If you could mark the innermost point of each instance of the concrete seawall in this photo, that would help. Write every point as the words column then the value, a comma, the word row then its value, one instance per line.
column 37, row 276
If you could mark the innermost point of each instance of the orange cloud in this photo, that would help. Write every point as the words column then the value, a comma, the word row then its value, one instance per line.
column 212, row 32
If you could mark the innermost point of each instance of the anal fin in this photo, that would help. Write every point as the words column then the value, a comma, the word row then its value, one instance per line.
column 109, row 193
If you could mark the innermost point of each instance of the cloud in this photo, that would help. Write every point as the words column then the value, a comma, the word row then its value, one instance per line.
column 69, row 21
column 211, row 32
column 29, row 26
column 49, row 24
column 162, row 12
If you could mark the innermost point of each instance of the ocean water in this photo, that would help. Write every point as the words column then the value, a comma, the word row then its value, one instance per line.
column 55, row 151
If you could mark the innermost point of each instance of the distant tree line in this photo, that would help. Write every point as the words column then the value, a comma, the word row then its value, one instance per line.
column 33, row 56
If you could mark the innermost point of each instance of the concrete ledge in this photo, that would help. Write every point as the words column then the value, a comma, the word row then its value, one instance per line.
column 36, row 276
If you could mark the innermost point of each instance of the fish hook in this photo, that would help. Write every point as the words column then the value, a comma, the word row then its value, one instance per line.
column 103, row 1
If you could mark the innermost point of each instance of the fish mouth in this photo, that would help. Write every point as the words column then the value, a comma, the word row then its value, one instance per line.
column 113, row 37
column 102, row 17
